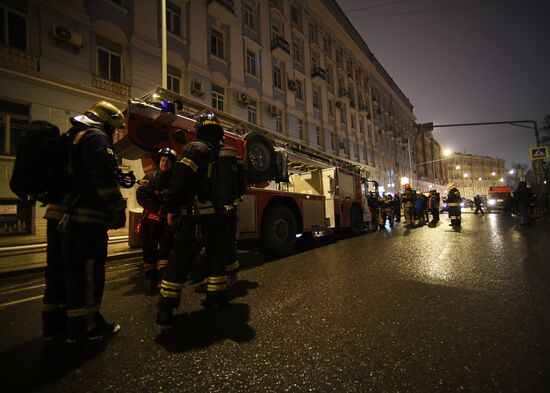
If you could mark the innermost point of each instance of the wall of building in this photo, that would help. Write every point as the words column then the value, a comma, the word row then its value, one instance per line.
column 331, row 93
column 474, row 174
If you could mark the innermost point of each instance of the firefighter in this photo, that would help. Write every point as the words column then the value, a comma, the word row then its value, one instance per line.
column 453, row 203
column 389, row 208
column 156, row 235
column 201, row 222
column 93, row 205
column 407, row 198
column 381, row 204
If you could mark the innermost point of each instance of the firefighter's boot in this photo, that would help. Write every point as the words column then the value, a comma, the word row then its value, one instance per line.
column 165, row 312
column 54, row 323
column 215, row 300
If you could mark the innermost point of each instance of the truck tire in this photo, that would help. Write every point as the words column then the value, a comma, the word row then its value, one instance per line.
column 356, row 220
column 279, row 231
column 260, row 157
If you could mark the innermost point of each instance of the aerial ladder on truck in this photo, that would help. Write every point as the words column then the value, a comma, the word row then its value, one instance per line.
column 292, row 190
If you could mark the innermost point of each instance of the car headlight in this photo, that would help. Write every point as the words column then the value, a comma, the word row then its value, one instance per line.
column 461, row 204
column 491, row 202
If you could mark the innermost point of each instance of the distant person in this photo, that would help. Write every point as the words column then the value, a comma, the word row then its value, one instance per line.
column 453, row 205
column 433, row 206
column 397, row 207
column 477, row 202
column 524, row 196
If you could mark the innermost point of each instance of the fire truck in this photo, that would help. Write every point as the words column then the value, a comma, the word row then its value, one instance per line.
column 292, row 190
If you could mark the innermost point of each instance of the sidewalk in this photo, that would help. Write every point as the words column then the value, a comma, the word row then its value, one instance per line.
column 14, row 260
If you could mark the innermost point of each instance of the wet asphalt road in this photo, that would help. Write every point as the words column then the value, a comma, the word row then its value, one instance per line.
column 420, row 310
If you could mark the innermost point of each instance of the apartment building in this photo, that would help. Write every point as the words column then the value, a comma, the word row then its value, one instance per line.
column 474, row 174
column 296, row 68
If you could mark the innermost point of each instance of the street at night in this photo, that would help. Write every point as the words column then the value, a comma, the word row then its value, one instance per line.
column 409, row 310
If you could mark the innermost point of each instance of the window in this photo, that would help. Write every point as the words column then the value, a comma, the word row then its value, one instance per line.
column 299, row 90
column 326, row 45
column 316, row 99
column 312, row 33
column 277, row 78
column 296, row 16
column 218, row 93
column 297, row 51
column 276, row 29
column 301, row 128
column 216, row 43
column 332, row 141
column 353, row 120
column 331, row 107
column 329, row 75
column 14, row 118
column 13, row 28
column 361, row 126
column 173, row 79
column 318, row 135
column 173, row 18
column 279, row 122
column 251, row 62
column 109, row 60
column 248, row 16
column 252, row 111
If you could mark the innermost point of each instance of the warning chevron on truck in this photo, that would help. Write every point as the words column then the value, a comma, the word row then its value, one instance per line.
column 538, row 153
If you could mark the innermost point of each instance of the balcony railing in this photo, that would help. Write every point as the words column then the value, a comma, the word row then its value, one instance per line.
column 319, row 72
column 280, row 42
column 223, row 10
column 18, row 57
column 228, row 4
column 113, row 87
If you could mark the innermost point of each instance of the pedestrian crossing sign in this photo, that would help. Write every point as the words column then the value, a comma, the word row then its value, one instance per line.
column 539, row 153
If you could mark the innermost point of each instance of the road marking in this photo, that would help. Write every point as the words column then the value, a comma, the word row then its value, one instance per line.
column 21, row 289
column 29, row 299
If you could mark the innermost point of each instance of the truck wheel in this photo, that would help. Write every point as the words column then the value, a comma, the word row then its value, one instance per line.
column 356, row 220
column 279, row 231
column 260, row 157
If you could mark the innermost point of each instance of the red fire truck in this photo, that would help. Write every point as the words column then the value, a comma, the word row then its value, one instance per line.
column 292, row 190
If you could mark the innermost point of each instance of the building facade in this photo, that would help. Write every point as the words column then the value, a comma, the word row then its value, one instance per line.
column 296, row 68
column 474, row 174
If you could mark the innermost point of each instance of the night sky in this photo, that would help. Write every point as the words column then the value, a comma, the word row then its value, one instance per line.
column 465, row 61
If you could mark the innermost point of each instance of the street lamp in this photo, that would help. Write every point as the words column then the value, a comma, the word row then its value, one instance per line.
column 493, row 173
column 457, row 167
column 511, row 172
column 447, row 152
column 466, row 174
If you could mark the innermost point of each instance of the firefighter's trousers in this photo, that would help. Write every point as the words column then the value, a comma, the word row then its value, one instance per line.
column 215, row 232
column 53, row 314
column 85, row 251
column 408, row 212
column 157, row 243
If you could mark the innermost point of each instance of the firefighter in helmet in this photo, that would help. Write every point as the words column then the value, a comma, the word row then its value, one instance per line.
column 155, row 234
column 453, row 203
column 201, row 222
column 92, row 206
column 408, row 199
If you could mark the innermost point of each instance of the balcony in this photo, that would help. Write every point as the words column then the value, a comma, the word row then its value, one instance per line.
column 18, row 57
column 224, row 10
column 281, row 49
column 344, row 95
column 319, row 74
column 110, row 86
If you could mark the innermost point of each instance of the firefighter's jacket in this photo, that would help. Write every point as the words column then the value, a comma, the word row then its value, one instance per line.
column 94, row 195
column 151, row 194
column 408, row 197
column 190, row 177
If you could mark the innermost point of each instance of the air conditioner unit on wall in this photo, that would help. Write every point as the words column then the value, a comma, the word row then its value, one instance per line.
column 196, row 88
column 242, row 98
column 292, row 84
column 273, row 110
column 63, row 34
